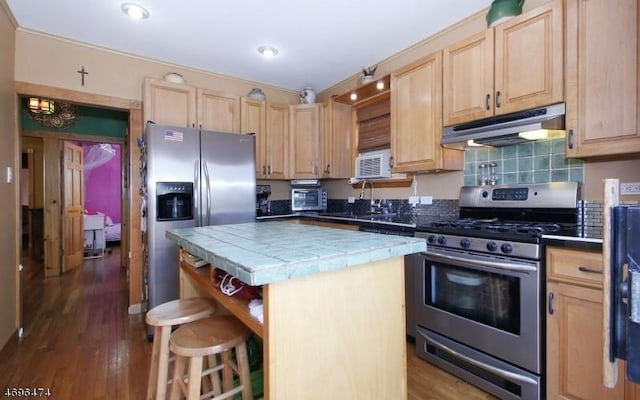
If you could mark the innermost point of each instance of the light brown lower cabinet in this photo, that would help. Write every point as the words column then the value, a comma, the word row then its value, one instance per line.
column 574, row 329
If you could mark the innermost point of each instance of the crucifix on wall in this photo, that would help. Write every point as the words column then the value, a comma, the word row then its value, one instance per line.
column 83, row 73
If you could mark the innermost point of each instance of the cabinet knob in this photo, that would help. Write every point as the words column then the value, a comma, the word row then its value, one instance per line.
column 498, row 99
column 487, row 102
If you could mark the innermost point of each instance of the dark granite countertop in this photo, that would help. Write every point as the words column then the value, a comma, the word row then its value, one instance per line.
column 389, row 220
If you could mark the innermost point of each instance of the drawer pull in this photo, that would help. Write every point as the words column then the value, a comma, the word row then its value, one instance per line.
column 550, row 303
column 588, row 270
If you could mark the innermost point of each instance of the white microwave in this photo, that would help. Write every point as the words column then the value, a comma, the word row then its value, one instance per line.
column 308, row 199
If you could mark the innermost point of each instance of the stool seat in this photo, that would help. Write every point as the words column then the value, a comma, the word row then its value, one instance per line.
column 181, row 311
column 203, row 340
column 163, row 317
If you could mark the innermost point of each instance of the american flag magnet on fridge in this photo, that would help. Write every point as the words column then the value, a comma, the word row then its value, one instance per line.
column 173, row 136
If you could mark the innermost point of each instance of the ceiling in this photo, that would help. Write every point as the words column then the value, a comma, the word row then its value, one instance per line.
column 320, row 43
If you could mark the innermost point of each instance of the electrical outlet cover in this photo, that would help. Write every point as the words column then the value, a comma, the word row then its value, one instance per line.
column 413, row 200
column 426, row 199
column 630, row 188
column 351, row 199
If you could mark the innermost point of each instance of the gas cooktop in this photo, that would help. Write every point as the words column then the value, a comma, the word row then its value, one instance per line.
column 496, row 227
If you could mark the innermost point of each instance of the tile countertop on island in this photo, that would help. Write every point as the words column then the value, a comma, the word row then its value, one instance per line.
column 265, row 252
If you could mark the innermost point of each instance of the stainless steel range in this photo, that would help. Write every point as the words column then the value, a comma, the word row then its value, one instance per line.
column 479, row 311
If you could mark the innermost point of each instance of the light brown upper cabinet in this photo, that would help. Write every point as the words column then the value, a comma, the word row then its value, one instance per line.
column 304, row 142
column 218, row 111
column 416, row 118
column 270, row 123
column 602, row 78
column 513, row 67
column 169, row 103
column 335, row 140
column 182, row 105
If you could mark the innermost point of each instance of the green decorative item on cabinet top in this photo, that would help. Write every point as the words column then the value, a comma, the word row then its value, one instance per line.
column 502, row 10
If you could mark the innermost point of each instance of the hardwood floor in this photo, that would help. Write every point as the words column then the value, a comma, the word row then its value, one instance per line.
column 80, row 342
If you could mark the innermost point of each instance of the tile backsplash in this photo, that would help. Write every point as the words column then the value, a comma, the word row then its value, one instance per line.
column 540, row 161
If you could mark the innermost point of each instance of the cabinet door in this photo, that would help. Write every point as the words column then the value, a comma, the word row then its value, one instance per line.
column 468, row 79
column 528, row 64
column 218, row 111
column 254, row 120
column 416, row 118
column 574, row 343
column 304, row 140
column 603, row 109
column 277, row 141
column 169, row 103
column 632, row 391
column 336, row 140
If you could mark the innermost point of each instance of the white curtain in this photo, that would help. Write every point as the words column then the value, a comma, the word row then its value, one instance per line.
column 97, row 155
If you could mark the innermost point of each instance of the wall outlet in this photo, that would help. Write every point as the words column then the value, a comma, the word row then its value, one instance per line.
column 426, row 199
column 630, row 188
column 351, row 199
column 413, row 200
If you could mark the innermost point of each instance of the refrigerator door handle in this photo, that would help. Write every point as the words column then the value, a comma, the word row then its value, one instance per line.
column 208, row 187
column 196, row 191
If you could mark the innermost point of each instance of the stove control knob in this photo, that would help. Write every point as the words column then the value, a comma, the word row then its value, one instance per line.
column 465, row 243
column 506, row 248
column 442, row 240
column 431, row 239
column 492, row 246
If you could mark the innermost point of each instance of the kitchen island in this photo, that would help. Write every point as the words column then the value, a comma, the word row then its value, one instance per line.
column 334, row 317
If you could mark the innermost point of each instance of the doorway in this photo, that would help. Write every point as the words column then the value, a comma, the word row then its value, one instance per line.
column 130, row 215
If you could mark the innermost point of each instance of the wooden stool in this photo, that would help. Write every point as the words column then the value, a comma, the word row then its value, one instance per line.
column 163, row 317
column 210, row 337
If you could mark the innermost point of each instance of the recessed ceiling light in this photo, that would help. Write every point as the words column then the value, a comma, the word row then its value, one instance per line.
column 135, row 11
column 268, row 51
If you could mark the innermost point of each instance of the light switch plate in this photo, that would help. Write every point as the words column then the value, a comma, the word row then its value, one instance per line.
column 9, row 175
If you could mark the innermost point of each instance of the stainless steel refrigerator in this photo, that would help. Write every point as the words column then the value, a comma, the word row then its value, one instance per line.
column 193, row 178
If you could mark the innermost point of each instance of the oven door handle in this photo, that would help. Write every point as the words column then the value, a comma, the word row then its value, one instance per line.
column 490, row 368
column 466, row 262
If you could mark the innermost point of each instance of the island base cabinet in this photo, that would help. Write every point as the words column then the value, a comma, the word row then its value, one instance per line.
column 337, row 335
column 574, row 345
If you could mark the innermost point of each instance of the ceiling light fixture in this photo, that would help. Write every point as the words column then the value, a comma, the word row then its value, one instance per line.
column 135, row 11
column 268, row 51
column 41, row 106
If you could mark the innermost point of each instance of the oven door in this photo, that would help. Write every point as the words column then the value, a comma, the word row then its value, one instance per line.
column 487, row 302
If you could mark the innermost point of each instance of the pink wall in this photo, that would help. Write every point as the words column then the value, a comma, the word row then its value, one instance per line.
column 103, row 186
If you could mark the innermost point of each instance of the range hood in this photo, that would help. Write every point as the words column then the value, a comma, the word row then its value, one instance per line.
column 503, row 130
